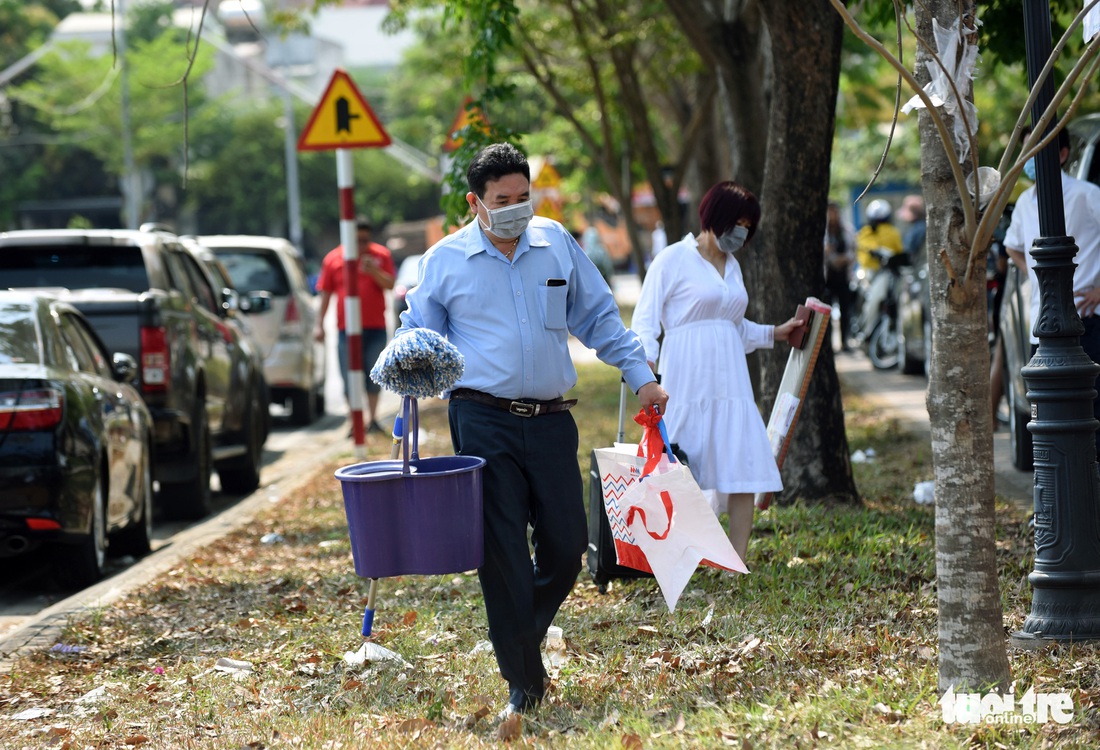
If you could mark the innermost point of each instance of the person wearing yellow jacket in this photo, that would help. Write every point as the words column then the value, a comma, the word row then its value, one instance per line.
column 877, row 234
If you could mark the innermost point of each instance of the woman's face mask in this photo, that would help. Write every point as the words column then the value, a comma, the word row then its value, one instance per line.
column 1029, row 168
column 733, row 240
column 508, row 222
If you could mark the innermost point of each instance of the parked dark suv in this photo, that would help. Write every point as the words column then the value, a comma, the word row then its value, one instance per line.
column 147, row 296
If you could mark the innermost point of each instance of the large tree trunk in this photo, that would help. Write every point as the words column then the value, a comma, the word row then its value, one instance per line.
column 971, row 631
column 730, row 37
column 788, row 257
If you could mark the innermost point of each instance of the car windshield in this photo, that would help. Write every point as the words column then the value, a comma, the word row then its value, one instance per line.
column 254, row 271
column 18, row 334
column 74, row 267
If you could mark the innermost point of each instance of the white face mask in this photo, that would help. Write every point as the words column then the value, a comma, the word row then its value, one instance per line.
column 508, row 222
column 733, row 240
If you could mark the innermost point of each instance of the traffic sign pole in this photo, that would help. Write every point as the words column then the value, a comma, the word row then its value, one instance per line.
column 349, row 239
column 343, row 120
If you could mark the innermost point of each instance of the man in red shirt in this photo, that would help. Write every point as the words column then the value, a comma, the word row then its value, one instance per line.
column 376, row 274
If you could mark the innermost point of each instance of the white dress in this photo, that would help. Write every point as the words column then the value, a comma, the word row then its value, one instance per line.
column 711, row 411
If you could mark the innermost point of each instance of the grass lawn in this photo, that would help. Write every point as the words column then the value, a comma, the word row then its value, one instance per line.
column 829, row 642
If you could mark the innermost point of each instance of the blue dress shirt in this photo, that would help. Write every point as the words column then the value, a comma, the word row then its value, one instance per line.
column 512, row 321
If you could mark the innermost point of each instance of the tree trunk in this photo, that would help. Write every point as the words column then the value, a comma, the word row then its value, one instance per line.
column 788, row 256
column 730, row 36
column 971, row 631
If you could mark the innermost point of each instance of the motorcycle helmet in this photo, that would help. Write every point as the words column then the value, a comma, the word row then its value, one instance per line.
column 879, row 211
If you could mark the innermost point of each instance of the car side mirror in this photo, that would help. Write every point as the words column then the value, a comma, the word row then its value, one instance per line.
column 231, row 301
column 123, row 367
column 255, row 302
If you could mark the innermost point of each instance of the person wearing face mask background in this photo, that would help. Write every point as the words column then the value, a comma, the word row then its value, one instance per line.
column 695, row 295
column 1081, row 201
column 507, row 290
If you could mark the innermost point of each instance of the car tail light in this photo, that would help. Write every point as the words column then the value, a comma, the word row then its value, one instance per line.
column 42, row 524
column 155, row 363
column 37, row 409
column 292, row 321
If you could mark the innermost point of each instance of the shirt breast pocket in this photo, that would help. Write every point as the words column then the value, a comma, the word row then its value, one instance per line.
column 553, row 305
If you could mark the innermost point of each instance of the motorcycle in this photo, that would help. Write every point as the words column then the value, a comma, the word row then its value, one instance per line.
column 875, row 328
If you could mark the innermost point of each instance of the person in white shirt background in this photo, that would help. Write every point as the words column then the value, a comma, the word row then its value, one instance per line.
column 1081, row 200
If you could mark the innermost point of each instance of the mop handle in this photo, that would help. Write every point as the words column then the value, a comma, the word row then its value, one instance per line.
column 412, row 428
column 368, row 613
column 398, row 433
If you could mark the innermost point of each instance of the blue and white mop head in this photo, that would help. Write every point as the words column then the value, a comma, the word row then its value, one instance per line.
column 420, row 363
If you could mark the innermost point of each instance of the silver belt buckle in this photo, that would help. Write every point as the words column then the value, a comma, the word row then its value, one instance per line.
column 521, row 409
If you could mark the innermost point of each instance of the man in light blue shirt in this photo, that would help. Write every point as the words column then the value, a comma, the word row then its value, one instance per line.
column 507, row 290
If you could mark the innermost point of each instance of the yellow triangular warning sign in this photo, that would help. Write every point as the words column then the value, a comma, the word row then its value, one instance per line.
column 462, row 119
column 342, row 119
column 551, row 209
column 547, row 177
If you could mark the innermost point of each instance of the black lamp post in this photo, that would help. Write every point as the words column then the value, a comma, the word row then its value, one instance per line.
column 1061, row 381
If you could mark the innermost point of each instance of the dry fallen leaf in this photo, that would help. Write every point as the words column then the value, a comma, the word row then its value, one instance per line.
column 511, row 728
column 631, row 742
column 137, row 739
column 477, row 716
column 415, row 725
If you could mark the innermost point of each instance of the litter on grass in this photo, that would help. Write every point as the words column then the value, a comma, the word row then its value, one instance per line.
column 482, row 647
column 272, row 538
column 233, row 666
column 924, row 493
column 863, row 456
column 65, row 648
column 371, row 652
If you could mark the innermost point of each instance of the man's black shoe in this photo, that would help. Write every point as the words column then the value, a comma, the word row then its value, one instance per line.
column 375, row 427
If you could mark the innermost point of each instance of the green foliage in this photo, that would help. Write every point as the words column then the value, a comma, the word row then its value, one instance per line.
column 237, row 182
column 25, row 25
column 868, row 87
column 78, row 94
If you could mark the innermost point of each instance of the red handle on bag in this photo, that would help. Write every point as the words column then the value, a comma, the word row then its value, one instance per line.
column 654, row 439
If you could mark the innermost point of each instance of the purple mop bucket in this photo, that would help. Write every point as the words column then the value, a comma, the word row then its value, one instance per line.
column 419, row 516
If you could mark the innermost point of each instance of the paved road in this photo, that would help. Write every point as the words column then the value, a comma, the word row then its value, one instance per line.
column 903, row 396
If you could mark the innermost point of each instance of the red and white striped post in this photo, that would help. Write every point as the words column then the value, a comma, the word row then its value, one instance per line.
column 349, row 239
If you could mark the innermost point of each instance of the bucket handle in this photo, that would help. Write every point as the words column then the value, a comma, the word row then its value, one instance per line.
column 411, row 417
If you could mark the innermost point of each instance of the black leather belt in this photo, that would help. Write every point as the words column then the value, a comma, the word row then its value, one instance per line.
column 521, row 408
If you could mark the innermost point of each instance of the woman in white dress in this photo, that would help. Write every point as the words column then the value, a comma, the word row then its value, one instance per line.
column 694, row 292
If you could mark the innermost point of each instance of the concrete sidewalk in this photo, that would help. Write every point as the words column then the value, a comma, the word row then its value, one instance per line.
column 903, row 397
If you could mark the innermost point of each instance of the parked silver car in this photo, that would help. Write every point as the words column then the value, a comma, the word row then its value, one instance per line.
column 294, row 363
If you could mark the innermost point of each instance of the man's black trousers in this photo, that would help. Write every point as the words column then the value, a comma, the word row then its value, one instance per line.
column 531, row 478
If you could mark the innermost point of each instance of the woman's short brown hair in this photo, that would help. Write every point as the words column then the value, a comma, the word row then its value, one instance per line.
column 725, row 205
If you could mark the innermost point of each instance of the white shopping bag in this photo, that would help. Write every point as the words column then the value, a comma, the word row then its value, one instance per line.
column 674, row 527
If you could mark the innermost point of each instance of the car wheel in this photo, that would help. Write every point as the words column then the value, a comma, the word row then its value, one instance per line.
column 1019, row 436
column 241, row 475
column 883, row 347
column 319, row 400
column 191, row 499
column 79, row 565
column 136, row 538
column 303, row 407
